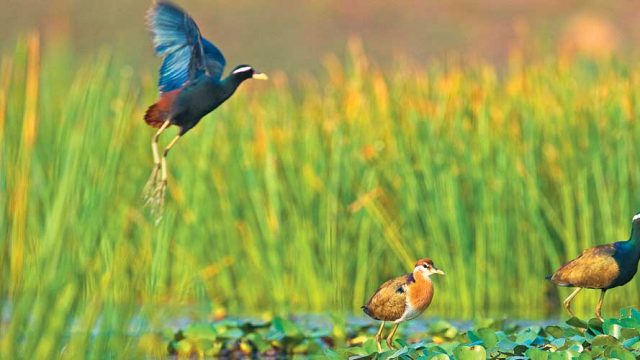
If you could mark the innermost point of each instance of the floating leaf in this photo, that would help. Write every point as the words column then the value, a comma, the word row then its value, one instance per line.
column 612, row 327
column 603, row 340
column 595, row 326
column 487, row 336
column 528, row 336
column 200, row 331
column 537, row 354
column 555, row 331
column 560, row 355
column 439, row 357
column 475, row 352
column 632, row 343
column 575, row 322
column 619, row 352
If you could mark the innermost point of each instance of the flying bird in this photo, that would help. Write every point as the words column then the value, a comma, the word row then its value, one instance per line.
column 402, row 299
column 190, row 84
column 602, row 267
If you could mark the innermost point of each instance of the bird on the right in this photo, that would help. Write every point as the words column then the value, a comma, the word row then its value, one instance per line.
column 601, row 267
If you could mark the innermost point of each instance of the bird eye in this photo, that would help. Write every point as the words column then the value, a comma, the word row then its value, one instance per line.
column 426, row 266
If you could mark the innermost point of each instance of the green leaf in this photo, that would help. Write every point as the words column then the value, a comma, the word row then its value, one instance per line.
column 287, row 327
column 575, row 322
column 612, row 327
column 184, row 347
column 555, row 331
column 487, row 336
column 370, row 346
column 619, row 352
column 595, row 325
column 560, row 355
column 475, row 352
column 632, row 343
column 506, row 346
column 603, row 340
column 536, row 354
column 200, row 331
column 528, row 336
column 331, row 355
column 439, row 357
column 231, row 334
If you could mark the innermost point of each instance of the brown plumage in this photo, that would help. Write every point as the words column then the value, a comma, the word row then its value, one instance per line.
column 602, row 267
column 595, row 268
column 402, row 298
column 159, row 112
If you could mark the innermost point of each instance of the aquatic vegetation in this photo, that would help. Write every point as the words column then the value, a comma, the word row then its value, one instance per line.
column 613, row 338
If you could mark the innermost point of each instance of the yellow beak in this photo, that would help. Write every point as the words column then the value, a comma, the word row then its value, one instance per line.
column 438, row 271
column 260, row 76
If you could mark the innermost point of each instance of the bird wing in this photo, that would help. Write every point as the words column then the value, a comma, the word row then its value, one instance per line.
column 389, row 301
column 186, row 53
column 595, row 268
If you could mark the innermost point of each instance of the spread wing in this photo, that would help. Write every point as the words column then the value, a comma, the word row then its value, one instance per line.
column 595, row 268
column 389, row 301
column 186, row 53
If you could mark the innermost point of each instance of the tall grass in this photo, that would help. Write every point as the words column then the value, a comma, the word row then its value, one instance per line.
column 304, row 197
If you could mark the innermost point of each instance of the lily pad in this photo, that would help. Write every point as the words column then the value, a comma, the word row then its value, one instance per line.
column 475, row 352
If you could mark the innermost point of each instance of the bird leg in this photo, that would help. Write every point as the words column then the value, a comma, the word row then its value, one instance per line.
column 567, row 302
column 390, row 337
column 164, row 158
column 153, row 179
column 599, row 306
column 152, row 190
column 161, row 188
column 379, row 337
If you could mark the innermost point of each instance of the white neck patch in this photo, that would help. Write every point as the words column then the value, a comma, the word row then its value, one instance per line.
column 636, row 217
column 242, row 69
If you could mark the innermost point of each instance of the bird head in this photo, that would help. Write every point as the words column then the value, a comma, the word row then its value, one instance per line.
column 426, row 268
column 248, row 72
column 635, row 227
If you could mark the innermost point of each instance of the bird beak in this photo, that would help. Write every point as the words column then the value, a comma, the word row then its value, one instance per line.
column 260, row 76
column 438, row 271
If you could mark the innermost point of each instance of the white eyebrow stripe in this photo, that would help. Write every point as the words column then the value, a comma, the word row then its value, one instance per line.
column 242, row 69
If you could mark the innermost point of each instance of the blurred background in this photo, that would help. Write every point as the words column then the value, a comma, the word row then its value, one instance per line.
column 295, row 35
column 498, row 137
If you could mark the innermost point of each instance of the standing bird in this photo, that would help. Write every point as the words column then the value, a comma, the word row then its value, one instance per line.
column 190, row 85
column 402, row 299
column 602, row 267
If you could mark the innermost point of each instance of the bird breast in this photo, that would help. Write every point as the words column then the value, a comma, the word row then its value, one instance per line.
column 420, row 294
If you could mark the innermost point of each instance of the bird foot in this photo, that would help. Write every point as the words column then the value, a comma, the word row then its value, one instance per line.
column 154, row 194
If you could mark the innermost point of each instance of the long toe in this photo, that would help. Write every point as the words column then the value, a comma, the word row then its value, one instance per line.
column 390, row 343
column 568, row 308
column 154, row 198
column 379, row 345
column 151, row 185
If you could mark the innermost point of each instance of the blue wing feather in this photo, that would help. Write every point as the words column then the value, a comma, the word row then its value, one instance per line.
column 214, row 61
column 186, row 53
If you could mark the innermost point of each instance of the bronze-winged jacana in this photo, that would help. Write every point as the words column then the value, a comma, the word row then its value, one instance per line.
column 602, row 267
column 191, row 85
column 402, row 299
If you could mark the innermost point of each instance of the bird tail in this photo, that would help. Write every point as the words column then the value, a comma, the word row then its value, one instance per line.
column 160, row 112
column 368, row 312
column 548, row 277
column 155, row 116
